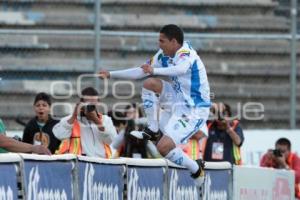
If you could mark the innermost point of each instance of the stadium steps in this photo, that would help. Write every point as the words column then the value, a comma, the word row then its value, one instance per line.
column 150, row 22
column 151, row 6
column 129, row 45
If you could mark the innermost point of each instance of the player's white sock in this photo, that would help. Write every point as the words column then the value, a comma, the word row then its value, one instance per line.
column 150, row 102
column 177, row 156
column 152, row 149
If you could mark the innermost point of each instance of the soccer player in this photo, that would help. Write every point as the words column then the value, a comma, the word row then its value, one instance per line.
column 184, row 101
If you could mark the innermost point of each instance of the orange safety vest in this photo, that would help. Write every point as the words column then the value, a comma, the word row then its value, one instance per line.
column 236, row 150
column 192, row 149
column 73, row 144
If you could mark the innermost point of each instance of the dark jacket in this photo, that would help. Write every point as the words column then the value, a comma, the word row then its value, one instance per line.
column 222, row 139
column 33, row 135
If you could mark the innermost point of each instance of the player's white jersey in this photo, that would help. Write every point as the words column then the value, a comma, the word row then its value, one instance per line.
column 187, row 73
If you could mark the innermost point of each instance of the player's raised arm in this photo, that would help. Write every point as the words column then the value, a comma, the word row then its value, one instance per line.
column 179, row 69
column 132, row 73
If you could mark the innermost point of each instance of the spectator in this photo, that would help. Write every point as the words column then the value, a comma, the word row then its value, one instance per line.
column 126, row 144
column 2, row 131
column 283, row 158
column 10, row 145
column 39, row 129
column 120, row 124
column 133, row 112
column 86, row 131
column 225, row 136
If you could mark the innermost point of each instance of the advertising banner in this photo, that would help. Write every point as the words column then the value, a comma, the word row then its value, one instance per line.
column 145, row 183
column 181, row 185
column 217, row 185
column 8, row 181
column 101, row 181
column 48, row 180
column 262, row 183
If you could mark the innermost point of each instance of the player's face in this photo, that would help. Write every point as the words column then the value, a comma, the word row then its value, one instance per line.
column 166, row 45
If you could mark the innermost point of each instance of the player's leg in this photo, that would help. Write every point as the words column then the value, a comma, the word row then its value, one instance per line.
column 157, row 94
column 179, row 128
column 151, row 89
column 168, row 149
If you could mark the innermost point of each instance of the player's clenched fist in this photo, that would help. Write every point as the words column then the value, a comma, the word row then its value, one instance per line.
column 104, row 74
column 148, row 69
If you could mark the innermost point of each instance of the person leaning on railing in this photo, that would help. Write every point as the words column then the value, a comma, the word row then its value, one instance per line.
column 282, row 158
column 39, row 129
column 11, row 145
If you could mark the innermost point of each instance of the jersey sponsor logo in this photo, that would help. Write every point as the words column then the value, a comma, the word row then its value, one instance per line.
column 150, row 61
column 148, row 103
column 179, row 161
column 183, row 53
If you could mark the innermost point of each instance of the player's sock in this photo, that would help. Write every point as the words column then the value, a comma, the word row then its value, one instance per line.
column 150, row 102
column 177, row 156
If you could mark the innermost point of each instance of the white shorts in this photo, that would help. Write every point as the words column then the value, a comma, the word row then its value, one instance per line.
column 177, row 120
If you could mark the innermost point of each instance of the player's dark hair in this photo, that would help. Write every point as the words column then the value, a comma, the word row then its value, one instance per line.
column 172, row 31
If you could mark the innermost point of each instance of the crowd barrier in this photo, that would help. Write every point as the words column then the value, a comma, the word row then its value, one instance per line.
column 62, row 177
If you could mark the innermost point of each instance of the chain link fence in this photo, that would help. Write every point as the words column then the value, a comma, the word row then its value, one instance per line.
column 49, row 46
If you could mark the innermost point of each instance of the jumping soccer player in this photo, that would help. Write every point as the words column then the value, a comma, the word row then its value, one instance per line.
column 184, row 101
